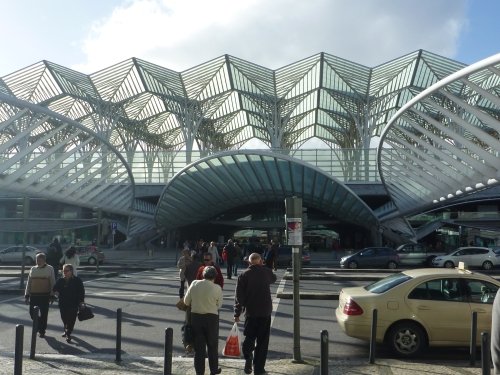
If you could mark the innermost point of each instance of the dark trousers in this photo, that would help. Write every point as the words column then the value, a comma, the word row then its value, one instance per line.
column 68, row 317
column 43, row 303
column 181, row 289
column 206, row 341
column 229, row 267
column 257, row 329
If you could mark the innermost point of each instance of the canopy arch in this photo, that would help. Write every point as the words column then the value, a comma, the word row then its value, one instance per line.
column 227, row 180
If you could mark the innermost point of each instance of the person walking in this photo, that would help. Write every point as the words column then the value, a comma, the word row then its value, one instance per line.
column 54, row 254
column 71, row 257
column 208, row 261
column 205, row 299
column 271, row 255
column 71, row 293
column 230, row 258
column 212, row 249
column 184, row 261
column 38, row 292
column 253, row 296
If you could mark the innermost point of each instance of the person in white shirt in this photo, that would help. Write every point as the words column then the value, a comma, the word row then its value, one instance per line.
column 205, row 299
column 39, row 292
column 212, row 249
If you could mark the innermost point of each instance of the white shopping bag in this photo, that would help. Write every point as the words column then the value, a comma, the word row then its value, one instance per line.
column 233, row 343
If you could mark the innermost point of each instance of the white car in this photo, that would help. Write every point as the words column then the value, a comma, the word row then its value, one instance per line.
column 472, row 256
column 14, row 254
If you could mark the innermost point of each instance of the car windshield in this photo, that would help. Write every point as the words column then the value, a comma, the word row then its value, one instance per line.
column 387, row 283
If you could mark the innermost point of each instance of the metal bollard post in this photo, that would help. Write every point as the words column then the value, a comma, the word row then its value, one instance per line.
column 36, row 311
column 323, row 370
column 373, row 337
column 118, row 335
column 485, row 354
column 18, row 356
column 473, row 334
column 167, row 360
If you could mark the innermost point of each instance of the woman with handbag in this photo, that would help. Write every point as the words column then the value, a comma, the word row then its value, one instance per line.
column 71, row 293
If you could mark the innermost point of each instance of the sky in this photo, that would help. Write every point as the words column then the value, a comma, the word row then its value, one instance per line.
column 90, row 35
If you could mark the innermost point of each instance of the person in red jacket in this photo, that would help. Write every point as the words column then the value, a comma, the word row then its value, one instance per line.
column 208, row 261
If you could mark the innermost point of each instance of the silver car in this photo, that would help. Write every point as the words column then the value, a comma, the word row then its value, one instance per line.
column 472, row 256
column 14, row 254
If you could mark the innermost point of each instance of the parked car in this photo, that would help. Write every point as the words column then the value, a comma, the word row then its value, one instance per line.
column 419, row 308
column 417, row 254
column 472, row 256
column 371, row 257
column 88, row 255
column 14, row 254
column 285, row 256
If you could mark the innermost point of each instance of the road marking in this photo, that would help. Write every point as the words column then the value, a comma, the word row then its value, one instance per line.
column 276, row 301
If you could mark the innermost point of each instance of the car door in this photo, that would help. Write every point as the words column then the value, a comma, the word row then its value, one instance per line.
column 445, row 320
column 367, row 258
column 12, row 254
column 480, row 294
column 462, row 255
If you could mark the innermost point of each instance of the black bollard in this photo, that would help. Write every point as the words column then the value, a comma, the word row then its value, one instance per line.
column 18, row 356
column 167, row 360
column 373, row 337
column 323, row 370
column 473, row 334
column 34, row 331
column 485, row 354
column 118, row 335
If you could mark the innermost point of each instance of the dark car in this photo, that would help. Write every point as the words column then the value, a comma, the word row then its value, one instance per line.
column 285, row 257
column 371, row 257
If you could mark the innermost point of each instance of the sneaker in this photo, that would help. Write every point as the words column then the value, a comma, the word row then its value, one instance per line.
column 41, row 334
column 68, row 338
column 218, row 371
column 63, row 335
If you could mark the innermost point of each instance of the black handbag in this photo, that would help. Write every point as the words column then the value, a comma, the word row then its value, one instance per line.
column 85, row 313
column 187, row 334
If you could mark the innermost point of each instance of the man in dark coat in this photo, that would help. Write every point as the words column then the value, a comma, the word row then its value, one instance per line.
column 253, row 295
column 54, row 253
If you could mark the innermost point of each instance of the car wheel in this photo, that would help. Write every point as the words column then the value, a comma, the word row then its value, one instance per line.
column 407, row 339
column 92, row 261
column 449, row 264
column 352, row 264
column 392, row 265
column 487, row 265
column 28, row 261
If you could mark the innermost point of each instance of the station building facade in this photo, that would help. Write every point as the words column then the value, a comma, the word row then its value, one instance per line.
column 218, row 147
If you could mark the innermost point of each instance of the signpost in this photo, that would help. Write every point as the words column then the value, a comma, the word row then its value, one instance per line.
column 293, row 209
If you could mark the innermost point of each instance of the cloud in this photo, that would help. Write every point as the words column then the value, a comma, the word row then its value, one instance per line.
column 180, row 34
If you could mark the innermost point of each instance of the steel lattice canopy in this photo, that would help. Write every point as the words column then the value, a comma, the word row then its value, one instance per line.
column 444, row 143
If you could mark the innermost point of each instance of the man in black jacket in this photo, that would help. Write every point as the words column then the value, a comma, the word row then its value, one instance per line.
column 253, row 295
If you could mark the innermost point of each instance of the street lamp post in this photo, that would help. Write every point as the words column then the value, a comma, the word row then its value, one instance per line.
column 97, row 216
column 22, row 211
